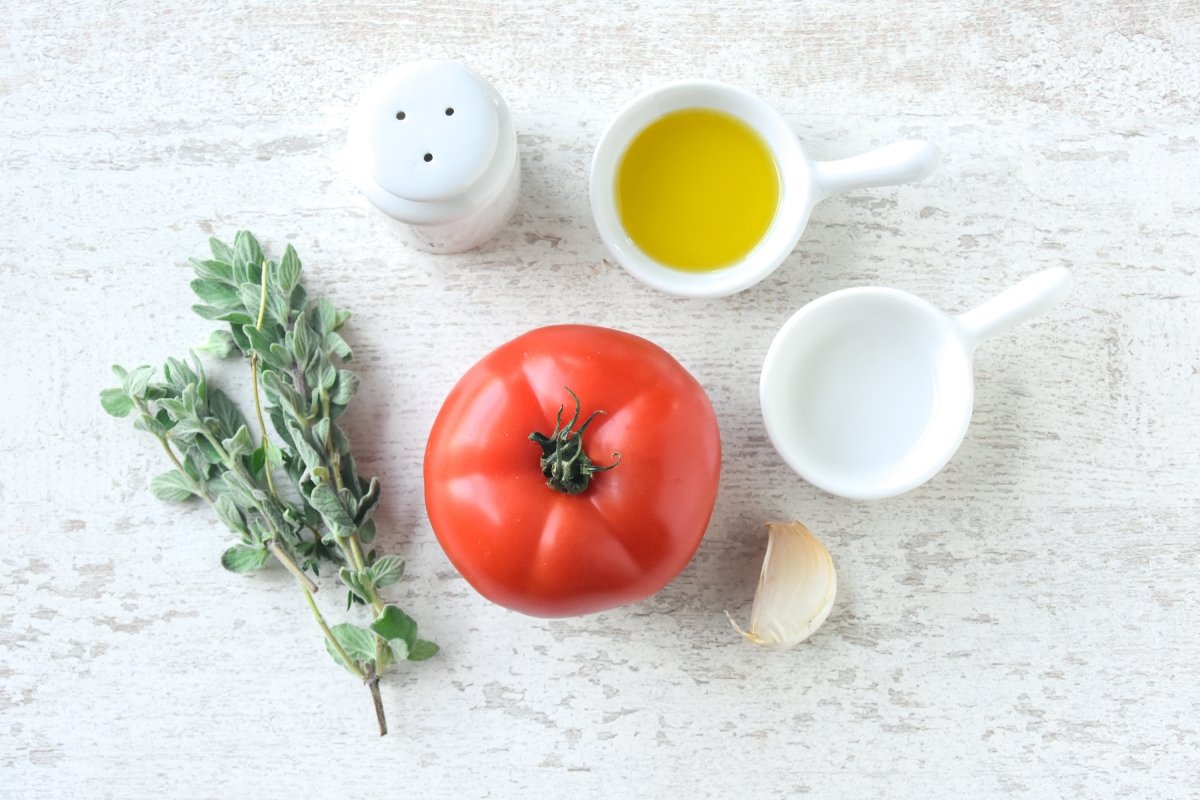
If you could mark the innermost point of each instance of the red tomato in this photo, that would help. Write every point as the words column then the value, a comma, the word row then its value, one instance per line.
column 639, row 514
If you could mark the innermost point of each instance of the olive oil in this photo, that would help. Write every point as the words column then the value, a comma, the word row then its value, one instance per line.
column 697, row 189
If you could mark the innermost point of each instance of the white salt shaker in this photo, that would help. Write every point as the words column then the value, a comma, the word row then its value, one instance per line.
column 433, row 145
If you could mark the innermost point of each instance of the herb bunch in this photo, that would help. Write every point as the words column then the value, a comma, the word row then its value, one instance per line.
column 322, row 512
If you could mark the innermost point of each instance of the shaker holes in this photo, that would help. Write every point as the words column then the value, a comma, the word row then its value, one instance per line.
column 449, row 112
column 429, row 156
column 400, row 115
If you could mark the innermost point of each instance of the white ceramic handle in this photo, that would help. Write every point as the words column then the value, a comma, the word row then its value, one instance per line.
column 1033, row 296
column 899, row 162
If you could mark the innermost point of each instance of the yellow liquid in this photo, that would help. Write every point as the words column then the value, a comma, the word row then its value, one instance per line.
column 697, row 190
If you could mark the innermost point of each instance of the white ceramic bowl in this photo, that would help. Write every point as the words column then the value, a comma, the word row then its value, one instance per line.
column 803, row 183
column 867, row 393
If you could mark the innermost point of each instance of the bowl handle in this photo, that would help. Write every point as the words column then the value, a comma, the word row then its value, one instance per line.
column 1034, row 295
column 899, row 162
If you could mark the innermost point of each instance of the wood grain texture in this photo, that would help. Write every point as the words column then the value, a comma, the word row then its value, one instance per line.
column 1025, row 625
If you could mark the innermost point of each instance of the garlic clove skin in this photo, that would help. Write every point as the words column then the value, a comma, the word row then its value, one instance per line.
column 796, row 588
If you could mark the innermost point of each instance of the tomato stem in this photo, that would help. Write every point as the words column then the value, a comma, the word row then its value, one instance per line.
column 564, row 463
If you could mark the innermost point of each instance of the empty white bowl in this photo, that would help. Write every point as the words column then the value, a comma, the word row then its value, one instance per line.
column 867, row 393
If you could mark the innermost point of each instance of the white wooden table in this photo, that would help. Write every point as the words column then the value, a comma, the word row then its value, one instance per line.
column 1025, row 625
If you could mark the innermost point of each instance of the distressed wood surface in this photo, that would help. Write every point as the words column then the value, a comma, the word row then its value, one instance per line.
column 1025, row 625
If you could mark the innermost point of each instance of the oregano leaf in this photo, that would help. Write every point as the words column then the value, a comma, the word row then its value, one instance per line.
column 207, row 450
column 358, row 643
column 195, row 466
column 189, row 426
column 341, row 443
column 326, row 373
column 288, row 274
column 246, row 251
column 215, row 293
column 116, row 402
column 258, row 460
column 280, row 426
column 225, row 412
column 324, row 317
column 299, row 299
column 369, row 502
column 239, row 444
column 220, row 251
column 259, row 533
column 240, row 490
column 422, row 650
column 172, row 487
column 325, row 500
column 234, row 317
column 277, row 307
column 386, row 571
column 271, row 511
column 239, row 338
column 220, row 344
column 208, row 312
column 393, row 623
column 137, row 381
column 280, row 355
column 345, row 387
column 228, row 513
column 251, row 297
column 175, row 409
column 354, row 581
column 308, row 454
column 191, row 400
column 259, row 343
column 178, row 374
column 150, row 425
column 301, row 342
column 334, row 343
column 244, row 558
column 320, row 431
column 214, row 270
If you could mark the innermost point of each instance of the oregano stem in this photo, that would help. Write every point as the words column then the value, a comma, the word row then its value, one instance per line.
column 360, row 563
column 286, row 560
column 331, row 454
column 375, row 687
column 369, row 677
column 355, row 554
column 262, row 426
column 262, row 302
column 372, row 681
column 280, row 554
column 356, row 551
column 197, row 487
column 175, row 459
column 329, row 637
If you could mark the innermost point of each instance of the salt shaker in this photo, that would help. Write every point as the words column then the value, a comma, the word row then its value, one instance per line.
column 433, row 145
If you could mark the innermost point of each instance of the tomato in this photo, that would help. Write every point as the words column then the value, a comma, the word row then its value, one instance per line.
column 625, row 516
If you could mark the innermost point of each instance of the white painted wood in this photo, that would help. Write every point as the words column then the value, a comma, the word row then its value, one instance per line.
column 1024, row 625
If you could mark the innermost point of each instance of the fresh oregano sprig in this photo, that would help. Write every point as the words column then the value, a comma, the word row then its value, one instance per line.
column 324, row 510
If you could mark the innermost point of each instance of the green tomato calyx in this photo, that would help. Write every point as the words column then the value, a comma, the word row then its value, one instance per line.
column 564, row 463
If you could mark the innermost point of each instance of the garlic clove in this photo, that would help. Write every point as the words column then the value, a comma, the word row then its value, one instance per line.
column 796, row 588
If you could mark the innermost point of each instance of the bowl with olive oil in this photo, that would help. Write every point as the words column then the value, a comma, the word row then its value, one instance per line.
column 701, row 189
